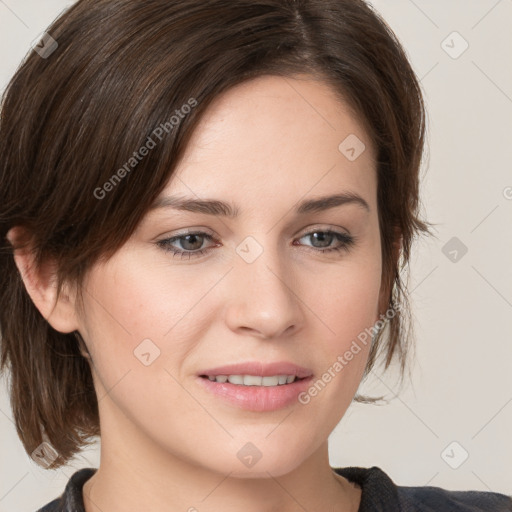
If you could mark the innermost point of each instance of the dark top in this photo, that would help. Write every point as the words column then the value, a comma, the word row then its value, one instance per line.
column 379, row 494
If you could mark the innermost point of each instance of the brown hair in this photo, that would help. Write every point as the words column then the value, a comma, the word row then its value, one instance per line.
column 71, row 119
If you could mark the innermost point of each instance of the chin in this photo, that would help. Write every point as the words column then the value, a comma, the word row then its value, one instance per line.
column 272, row 471
column 274, row 467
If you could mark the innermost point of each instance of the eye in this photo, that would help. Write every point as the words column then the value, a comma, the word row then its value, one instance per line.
column 191, row 245
column 324, row 239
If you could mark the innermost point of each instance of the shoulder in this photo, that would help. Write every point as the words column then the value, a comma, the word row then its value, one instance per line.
column 434, row 499
column 379, row 492
column 53, row 506
column 71, row 499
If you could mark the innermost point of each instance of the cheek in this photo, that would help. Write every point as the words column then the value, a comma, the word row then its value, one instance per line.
column 132, row 302
column 136, row 352
column 345, row 299
column 143, row 319
column 347, row 308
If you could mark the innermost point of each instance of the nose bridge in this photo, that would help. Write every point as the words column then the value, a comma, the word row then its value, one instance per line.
column 263, row 299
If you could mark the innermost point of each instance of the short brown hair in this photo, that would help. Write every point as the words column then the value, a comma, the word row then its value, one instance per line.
column 70, row 120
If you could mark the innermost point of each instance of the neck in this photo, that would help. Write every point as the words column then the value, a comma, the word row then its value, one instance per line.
column 136, row 474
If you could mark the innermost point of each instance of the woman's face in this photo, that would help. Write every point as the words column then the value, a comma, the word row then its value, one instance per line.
column 264, row 286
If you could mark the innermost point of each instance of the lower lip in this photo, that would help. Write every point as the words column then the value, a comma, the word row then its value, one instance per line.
column 257, row 398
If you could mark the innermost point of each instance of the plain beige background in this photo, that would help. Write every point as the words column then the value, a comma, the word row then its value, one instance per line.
column 459, row 403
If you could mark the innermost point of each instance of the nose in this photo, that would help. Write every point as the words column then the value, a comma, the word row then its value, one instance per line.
column 263, row 300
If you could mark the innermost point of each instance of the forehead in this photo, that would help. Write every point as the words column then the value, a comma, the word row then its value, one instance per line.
column 276, row 137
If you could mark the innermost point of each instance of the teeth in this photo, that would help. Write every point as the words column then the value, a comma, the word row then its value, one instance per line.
column 220, row 378
column 254, row 380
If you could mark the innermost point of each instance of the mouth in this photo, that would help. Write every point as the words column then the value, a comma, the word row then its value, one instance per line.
column 256, row 386
column 256, row 393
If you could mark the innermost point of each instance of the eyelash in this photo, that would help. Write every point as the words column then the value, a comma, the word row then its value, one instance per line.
column 347, row 242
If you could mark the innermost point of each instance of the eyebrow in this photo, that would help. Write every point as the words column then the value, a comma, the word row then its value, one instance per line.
column 221, row 208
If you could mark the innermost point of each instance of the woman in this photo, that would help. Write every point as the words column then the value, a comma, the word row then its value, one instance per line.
column 203, row 209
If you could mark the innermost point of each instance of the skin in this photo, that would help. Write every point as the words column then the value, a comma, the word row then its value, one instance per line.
column 167, row 444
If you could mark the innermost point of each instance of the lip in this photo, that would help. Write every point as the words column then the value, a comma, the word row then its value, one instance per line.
column 259, row 368
column 257, row 398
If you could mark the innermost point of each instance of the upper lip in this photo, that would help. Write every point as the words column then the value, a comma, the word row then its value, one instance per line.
column 259, row 368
